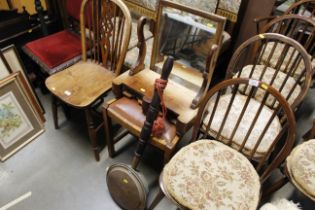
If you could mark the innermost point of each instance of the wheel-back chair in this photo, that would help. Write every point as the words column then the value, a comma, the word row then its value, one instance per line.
column 289, row 71
column 243, row 141
column 105, row 31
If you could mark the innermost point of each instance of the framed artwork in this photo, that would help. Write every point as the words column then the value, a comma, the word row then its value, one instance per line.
column 5, row 69
column 19, row 122
column 9, row 55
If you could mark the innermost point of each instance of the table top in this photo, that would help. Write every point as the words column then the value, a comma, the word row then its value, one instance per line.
column 177, row 97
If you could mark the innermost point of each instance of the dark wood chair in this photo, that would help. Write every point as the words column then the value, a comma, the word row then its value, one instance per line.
column 182, row 95
column 60, row 50
column 105, row 29
column 276, row 60
column 243, row 141
column 297, row 27
column 304, row 8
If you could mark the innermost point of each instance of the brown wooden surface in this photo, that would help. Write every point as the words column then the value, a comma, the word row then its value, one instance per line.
column 81, row 84
column 177, row 97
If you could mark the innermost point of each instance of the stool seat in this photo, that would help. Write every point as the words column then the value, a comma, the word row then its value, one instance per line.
column 244, row 125
column 208, row 174
column 55, row 52
column 301, row 168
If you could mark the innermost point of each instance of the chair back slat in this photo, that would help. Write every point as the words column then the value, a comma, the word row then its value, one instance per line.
column 277, row 60
column 106, row 27
column 264, row 135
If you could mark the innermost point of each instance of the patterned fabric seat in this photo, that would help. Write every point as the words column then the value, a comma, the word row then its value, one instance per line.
column 288, row 59
column 245, row 124
column 209, row 175
column 289, row 83
column 301, row 168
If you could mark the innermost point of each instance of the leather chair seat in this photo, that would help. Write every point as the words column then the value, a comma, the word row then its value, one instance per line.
column 208, row 174
column 130, row 113
column 55, row 52
column 301, row 168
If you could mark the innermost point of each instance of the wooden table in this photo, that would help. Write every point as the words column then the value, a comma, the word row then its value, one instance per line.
column 178, row 98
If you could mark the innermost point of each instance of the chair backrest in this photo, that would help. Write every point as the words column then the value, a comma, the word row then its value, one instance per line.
column 302, row 7
column 70, row 13
column 105, row 32
column 277, row 60
column 193, row 37
column 297, row 27
column 264, row 135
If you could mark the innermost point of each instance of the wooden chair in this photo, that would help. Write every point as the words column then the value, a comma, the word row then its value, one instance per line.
column 297, row 27
column 105, row 28
column 304, row 8
column 182, row 97
column 57, row 51
column 244, row 141
column 276, row 60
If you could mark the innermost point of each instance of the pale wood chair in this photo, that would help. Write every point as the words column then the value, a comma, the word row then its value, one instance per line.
column 105, row 30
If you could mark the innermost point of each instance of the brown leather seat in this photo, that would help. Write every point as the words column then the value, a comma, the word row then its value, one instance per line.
column 128, row 112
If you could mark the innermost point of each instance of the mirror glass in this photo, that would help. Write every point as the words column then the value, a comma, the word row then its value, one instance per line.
column 188, row 36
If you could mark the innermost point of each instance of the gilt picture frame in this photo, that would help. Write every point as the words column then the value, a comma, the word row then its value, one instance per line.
column 19, row 122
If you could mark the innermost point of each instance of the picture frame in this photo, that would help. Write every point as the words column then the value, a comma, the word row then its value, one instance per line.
column 5, row 69
column 19, row 122
column 10, row 57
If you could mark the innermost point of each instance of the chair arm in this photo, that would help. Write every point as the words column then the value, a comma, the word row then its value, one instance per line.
column 141, row 45
column 258, row 21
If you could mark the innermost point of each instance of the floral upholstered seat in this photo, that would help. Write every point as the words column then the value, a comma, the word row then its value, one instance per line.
column 288, row 59
column 289, row 82
column 244, row 125
column 209, row 175
column 301, row 168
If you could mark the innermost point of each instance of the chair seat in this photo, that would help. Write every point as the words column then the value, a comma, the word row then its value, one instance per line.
column 249, row 115
column 51, row 52
column 277, row 83
column 130, row 112
column 301, row 168
column 209, row 175
column 288, row 60
column 81, row 84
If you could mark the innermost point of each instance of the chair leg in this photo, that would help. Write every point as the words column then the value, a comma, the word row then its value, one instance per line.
column 275, row 186
column 310, row 133
column 109, row 136
column 92, row 133
column 167, row 156
column 54, row 106
column 156, row 200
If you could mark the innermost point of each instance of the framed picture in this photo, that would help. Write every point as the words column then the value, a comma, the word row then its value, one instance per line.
column 5, row 69
column 19, row 122
column 10, row 57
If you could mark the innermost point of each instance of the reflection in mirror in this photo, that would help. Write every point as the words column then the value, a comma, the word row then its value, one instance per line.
column 188, row 35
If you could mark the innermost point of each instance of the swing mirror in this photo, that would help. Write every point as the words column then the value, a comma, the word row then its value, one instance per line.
column 188, row 35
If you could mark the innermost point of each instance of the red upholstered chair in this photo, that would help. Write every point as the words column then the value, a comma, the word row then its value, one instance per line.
column 59, row 50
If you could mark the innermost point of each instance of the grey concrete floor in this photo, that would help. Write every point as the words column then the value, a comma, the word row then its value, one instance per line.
column 59, row 169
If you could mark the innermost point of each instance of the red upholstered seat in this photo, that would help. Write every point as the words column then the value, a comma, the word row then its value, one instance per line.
column 54, row 50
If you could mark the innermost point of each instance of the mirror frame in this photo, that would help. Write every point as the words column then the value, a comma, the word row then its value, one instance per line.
column 213, row 53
